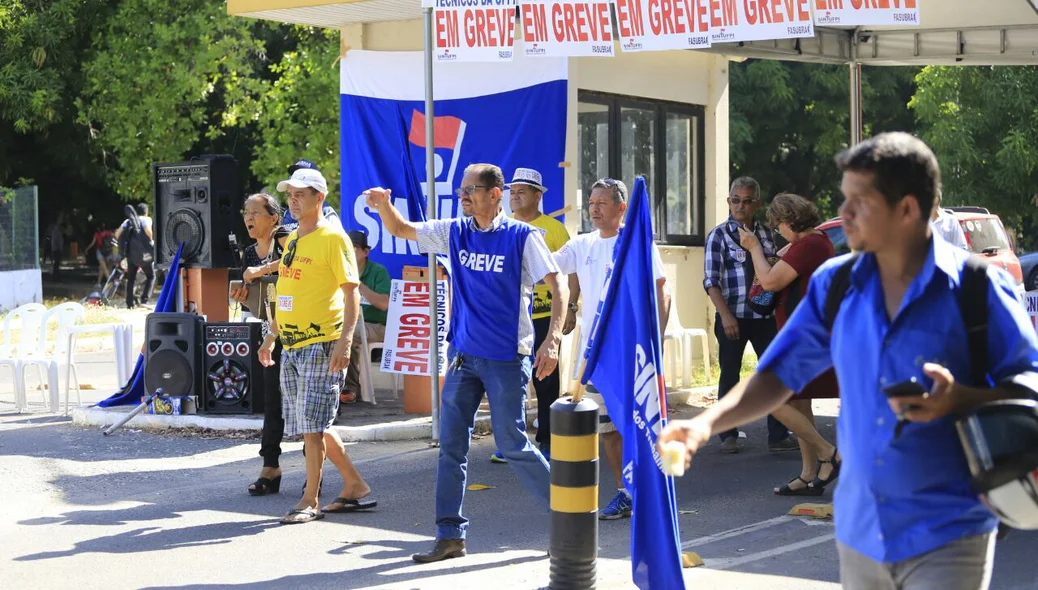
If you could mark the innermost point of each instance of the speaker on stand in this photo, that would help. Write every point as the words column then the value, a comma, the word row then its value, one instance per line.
column 198, row 203
column 234, row 381
column 173, row 354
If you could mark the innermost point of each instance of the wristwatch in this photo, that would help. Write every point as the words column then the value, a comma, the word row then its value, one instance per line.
column 573, row 307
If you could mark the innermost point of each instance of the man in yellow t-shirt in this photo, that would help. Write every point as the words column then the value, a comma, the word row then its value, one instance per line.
column 525, row 200
column 317, row 309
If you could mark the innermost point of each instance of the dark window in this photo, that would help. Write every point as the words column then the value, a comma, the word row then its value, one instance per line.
column 622, row 137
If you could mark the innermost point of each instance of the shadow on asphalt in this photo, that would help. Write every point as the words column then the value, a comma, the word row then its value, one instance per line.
column 385, row 572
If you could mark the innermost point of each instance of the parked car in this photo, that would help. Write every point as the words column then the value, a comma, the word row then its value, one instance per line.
column 985, row 235
column 1029, row 268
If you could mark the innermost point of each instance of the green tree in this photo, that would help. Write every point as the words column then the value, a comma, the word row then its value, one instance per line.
column 164, row 78
column 299, row 114
column 789, row 119
column 982, row 123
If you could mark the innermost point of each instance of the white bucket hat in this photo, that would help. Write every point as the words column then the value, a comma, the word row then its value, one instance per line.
column 529, row 177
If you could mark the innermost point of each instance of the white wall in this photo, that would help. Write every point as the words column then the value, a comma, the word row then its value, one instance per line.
column 680, row 76
column 18, row 287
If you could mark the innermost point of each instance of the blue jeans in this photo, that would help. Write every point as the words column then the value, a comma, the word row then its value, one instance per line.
column 505, row 385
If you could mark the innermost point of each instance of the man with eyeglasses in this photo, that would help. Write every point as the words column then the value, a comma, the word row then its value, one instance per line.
column 495, row 263
column 589, row 258
column 728, row 276
column 317, row 308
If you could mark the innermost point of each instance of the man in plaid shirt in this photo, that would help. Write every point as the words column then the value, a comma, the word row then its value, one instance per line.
column 727, row 283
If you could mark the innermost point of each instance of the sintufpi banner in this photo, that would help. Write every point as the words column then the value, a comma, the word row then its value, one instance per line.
column 511, row 114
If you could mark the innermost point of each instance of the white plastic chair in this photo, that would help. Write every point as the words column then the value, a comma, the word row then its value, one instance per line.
column 367, row 387
column 681, row 351
column 49, row 358
column 26, row 318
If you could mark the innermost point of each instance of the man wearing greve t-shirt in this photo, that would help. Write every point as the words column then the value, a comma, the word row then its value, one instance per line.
column 495, row 262
column 316, row 315
column 590, row 257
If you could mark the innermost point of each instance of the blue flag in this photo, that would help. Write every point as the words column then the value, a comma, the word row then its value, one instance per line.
column 133, row 390
column 623, row 362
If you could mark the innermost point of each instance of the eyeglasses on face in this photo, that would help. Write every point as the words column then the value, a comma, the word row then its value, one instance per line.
column 290, row 253
column 736, row 201
column 468, row 190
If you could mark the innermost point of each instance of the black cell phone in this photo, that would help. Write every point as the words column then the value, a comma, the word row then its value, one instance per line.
column 909, row 388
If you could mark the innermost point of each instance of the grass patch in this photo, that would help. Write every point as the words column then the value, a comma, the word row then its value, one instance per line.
column 749, row 365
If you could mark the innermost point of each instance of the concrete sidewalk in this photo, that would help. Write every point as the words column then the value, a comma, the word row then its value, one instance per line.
column 359, row 422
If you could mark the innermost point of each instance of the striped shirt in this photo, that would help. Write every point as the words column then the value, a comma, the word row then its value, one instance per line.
column 434, row 238
column 725, row 264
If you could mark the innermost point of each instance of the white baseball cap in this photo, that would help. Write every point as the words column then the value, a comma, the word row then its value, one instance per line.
column 305, row 178
column 528, row 176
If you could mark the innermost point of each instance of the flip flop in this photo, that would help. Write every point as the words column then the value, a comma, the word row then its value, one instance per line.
column 348, row 505
column 310, row 513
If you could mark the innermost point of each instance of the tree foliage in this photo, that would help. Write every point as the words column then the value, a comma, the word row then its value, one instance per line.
column 982, row 123
column 788, row 120
column 299, row 111
column 164, row 75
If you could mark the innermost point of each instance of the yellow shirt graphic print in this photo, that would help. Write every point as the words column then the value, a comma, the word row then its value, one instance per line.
column 310, row 303
column 555, row 236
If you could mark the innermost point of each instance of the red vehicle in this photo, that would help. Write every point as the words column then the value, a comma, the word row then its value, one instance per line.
column 985, row 235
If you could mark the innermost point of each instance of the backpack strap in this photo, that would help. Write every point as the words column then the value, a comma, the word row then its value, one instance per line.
column 973, row 306
column 838, row 290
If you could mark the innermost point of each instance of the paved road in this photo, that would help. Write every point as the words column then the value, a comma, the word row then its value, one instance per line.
column 140, row 510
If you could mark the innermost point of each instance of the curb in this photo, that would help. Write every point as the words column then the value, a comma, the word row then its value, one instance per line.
column 417, row 428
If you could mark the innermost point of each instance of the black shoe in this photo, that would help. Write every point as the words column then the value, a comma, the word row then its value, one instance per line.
column 443, row 549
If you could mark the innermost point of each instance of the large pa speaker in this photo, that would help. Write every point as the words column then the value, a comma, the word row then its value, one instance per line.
column 198, row 203
column 173, row 353
column 234, row 379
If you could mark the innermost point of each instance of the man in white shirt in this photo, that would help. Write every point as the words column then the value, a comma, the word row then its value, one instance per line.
column 945, row 224
column 590, row 257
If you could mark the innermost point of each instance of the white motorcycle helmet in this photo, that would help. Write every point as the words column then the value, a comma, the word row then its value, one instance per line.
column 1000, row 440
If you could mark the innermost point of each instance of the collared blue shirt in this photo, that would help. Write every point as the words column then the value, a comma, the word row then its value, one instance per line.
column 899, row 498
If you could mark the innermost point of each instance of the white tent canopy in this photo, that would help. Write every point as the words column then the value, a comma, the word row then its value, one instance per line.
column 952, row 32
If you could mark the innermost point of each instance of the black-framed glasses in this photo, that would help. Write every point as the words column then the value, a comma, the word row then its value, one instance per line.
column 290, row 253
column 468, row 190
column 736, row 201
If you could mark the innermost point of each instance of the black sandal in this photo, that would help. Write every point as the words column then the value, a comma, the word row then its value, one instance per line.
column 264, row 486
column 820, row 483
column 807, row 490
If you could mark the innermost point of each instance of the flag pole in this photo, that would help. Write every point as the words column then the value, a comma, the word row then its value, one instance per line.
column 579, row 393
column 431, row 198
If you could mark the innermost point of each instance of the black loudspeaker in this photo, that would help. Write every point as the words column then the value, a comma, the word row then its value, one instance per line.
column 173, row 353
column 234, row 380
column 199, row 203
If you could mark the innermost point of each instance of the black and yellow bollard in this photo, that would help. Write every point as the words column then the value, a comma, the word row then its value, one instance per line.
column 574, row 494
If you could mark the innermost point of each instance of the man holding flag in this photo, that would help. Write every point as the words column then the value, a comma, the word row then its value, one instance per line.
column 622, row 360
column 590, row 257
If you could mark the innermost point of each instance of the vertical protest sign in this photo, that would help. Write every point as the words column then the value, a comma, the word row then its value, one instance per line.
column 474, row 30
column 732, row 21
column 856, row 13
column 1031, row 301
column 659, row 25
column 557, row 28
column 406, row 345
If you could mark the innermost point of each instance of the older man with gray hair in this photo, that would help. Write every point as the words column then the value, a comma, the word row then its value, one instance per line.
column 728, row 275
column 589, row 257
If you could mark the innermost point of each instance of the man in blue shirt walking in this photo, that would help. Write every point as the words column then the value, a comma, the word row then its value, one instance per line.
column 906, row 517
column 495, row 263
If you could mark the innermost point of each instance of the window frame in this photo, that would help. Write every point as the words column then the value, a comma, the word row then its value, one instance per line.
column 661, row 108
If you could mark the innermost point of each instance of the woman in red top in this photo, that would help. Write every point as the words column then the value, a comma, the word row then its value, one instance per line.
column 795, row 218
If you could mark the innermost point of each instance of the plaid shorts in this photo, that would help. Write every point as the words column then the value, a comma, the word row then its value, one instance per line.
column 309, row 392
